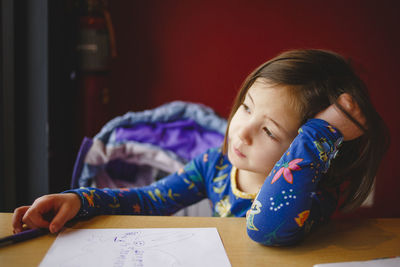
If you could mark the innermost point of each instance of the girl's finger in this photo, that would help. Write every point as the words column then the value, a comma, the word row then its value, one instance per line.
column 34, row 219
column 29, row 223
column 62, row 216
column 17, row 218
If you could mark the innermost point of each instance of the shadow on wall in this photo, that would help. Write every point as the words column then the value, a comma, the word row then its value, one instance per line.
column 135, row 69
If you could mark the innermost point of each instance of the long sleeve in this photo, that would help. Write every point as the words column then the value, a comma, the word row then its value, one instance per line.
column 289, row 202
column 163, row 197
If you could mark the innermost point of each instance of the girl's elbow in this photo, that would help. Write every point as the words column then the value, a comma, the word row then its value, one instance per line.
column 273, row 238
column 256, row 236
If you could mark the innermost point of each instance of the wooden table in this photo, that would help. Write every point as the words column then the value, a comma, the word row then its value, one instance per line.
column 337, row 241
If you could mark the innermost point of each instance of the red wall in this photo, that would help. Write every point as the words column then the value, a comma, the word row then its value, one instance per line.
column 201, row 51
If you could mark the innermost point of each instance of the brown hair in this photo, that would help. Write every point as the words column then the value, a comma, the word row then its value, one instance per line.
column 316, row 78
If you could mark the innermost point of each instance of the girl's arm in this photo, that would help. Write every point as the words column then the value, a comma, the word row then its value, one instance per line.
column 288, row 202
column 164, row 197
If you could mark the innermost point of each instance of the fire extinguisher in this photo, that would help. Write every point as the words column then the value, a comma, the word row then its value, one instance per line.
column 95, row 50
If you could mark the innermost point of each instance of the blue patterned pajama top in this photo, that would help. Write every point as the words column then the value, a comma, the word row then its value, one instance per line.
column 287, row 206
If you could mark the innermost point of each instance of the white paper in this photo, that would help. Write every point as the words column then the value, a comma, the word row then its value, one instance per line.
column 137, row 247
column 390, row 262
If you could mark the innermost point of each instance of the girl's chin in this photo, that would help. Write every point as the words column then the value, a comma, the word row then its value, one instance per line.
column 237, row 163
column 232, row 158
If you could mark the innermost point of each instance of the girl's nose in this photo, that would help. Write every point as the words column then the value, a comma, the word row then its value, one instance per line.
column 245, row 134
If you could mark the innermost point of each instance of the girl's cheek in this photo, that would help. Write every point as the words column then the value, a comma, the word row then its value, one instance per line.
column 273, row 153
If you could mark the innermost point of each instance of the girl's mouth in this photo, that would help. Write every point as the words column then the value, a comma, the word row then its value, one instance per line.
column 237, row 152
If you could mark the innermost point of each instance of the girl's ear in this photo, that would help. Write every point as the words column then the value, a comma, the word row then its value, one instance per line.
column 347, row 102
column 345, row 115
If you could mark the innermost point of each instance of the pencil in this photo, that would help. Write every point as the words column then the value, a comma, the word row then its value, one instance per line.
column 22, row 236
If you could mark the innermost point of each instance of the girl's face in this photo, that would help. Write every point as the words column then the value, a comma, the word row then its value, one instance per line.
column 262, row 128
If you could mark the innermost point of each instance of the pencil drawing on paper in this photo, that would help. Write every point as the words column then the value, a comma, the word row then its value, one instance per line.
column 135, row 247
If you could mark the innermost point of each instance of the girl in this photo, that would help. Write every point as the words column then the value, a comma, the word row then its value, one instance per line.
column 302, row 136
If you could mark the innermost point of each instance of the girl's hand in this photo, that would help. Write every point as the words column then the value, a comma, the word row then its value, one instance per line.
column 334, row 116
column 64, row 207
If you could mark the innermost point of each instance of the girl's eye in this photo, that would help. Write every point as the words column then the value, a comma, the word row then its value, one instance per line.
column 268, row 132
column 246, row 108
